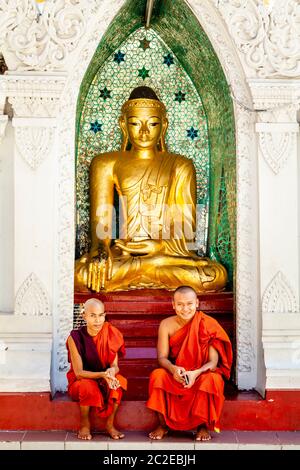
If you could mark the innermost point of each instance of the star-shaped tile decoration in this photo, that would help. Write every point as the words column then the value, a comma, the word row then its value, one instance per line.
column 144, row 73
column 144, row 44
column 96, row 126
column 192, row 133
column 168, row 59
column 180, row 96
column 119, row 57
column 105, row 93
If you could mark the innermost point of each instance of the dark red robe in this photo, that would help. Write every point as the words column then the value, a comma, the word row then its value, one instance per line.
column 97, row 353
column 182, row 408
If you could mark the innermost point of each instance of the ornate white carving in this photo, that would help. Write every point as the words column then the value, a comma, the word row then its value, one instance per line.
column 33, row 94
column 276, row 147
column 279, row 98
column 279, row 296
column 31, row 298
column 34, row 143
column 268, row 37
column 32, row 42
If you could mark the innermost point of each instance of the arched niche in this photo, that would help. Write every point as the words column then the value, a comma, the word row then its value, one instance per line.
column 178, row 61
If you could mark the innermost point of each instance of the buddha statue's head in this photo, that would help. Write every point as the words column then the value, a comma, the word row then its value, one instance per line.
column 143, row 120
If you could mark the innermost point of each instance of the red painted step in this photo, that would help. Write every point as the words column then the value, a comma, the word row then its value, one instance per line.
column 242, row 411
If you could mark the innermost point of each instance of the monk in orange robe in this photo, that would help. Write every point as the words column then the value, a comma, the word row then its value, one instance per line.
column 194, row 352
column 94, row 379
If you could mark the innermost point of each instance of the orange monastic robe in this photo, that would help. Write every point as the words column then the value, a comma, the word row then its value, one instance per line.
column 182, row 408
column 90, row 392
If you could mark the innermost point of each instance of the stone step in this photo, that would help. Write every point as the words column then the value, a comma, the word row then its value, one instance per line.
column 226, row 440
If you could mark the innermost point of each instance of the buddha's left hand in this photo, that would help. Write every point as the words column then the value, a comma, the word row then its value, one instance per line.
column 144, row 247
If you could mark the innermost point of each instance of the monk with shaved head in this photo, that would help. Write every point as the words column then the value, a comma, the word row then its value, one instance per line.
column 94, row 379
column 194, row 353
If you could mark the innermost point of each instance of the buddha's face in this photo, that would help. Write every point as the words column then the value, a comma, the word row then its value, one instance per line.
column 145, row 127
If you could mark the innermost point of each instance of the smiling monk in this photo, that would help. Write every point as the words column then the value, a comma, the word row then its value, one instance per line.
column 194, row 352
column 94, row 379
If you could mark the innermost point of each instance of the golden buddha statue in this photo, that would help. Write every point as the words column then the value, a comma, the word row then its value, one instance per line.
column 157, row 193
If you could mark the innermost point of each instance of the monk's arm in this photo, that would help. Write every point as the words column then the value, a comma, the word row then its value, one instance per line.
column 213, row 358
column 163, row 353
column 78, row 366
column 114, row 368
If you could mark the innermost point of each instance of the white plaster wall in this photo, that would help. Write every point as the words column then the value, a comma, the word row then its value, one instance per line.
column 35, row 191
column 7, row 222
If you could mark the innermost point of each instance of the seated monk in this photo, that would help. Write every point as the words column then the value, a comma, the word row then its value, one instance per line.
column 94, row 378
column 194, row 352
column 157, row 195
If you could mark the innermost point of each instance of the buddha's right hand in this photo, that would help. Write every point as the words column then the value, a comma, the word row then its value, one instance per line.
column 99, row 268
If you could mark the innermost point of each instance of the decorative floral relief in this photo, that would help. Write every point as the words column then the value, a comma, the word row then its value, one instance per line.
column 33, row 42
column 32, row 298
column 276, row 148
column 279, row 296
column 268, row 36
column 34, row 144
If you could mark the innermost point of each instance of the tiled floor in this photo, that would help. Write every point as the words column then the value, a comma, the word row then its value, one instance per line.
column 227, row 440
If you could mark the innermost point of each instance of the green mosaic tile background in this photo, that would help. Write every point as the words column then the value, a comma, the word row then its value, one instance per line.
column 143, row 59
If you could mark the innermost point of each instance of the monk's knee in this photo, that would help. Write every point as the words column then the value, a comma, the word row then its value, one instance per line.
column 158, row 373
column 87, row 388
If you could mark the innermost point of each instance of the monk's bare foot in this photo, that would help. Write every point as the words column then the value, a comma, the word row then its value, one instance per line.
column 203, row 434
column 114, row 433
column 84, row 433
column 159, row 432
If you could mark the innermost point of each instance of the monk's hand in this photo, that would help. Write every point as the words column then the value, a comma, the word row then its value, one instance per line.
column 190, row 377
column 110, row 372
column 143, row 247
column 112, row 382
column 178, row 374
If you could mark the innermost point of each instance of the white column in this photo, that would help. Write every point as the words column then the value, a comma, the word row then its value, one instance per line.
column 28, row 333
column 279, row 228
column 6, row 212
column 3, row 123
